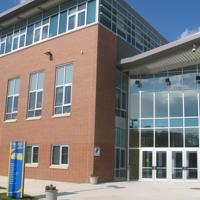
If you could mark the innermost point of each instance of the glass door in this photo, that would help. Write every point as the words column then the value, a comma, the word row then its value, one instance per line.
column 147, row 163
column 191, row 165
column 161, row 165
column 177, row 164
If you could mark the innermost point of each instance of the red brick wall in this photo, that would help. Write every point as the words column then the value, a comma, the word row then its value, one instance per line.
column 92, row 105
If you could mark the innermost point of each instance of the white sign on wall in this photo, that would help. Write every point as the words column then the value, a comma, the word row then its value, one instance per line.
column 97, row 151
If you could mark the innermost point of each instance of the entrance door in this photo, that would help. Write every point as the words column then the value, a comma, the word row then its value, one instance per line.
column 185, row 165
column 154, row 164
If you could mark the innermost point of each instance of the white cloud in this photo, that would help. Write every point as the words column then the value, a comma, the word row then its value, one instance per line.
column 23, row 1
column 188, row 32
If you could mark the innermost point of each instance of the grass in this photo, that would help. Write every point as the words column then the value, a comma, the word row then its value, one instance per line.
column 3, row 196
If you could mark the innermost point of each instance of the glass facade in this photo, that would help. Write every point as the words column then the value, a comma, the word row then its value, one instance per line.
column 164, row 113
column 128, row 26
column 65, row 17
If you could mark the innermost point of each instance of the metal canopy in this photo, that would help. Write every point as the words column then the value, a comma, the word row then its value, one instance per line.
column 167, row 57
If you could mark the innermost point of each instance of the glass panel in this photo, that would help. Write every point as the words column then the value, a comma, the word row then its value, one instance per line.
column 134, row 164
column 147, row 164
column 161, row 138
column 63, row 22
column 15, row 43
column 81, row 19
column 9, row 105
column 176, row 137
column 8, row 43
column 11, row 87
column 64, row 155
column 192, row 165
column 147, row 138
column 134, row 106
column 134, row 138
column 71, row 23
column 37, row 35
column 191, row 104
column 176, row 80
column 39, row 100
column 53, row 26
column 22, row 41
column 59, row 96
column 146, row 105
column 161, row 123
column 161, row 165
column 60, row 75
column 91, row 11
column 56, row 155
column 191, row 121
column 32, row 98
column 178, row 122
column 176, row 104
column 15, row 105
column 192, row 137
column 35, row 154
column 28, row 154
column 161, row 104
column 146, row 123
column 17, row 85
column 160, row 82
column 45, row 30
column 33, row 84
column 68, row 74
column 177, row 164
column 40, row 80
column 29, row 36
column 189, row 80
column 67, row 95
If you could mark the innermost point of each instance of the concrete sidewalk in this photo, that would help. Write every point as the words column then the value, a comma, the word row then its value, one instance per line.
column 115, row 191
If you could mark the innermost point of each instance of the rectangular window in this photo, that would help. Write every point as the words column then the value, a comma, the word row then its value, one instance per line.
column 81, row 14
column 72, row 18
column 35, row 94
column 60, row 155
column 9, row 43
column 63, row 90
column 53, row 26
column 29, row 35
column 12, row 99
column 31, row 155
column 37, row 32
column 2, row 45
column 45, row 29
column 63, row 22
column 91, row 11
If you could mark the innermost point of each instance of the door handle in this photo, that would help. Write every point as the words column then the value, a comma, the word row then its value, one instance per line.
column 154, row 168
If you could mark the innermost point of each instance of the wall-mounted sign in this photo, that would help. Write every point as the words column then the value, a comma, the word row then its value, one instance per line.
column 97, row 151
column 16, row 169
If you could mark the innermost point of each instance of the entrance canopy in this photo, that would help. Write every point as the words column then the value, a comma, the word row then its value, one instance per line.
column 177, row 54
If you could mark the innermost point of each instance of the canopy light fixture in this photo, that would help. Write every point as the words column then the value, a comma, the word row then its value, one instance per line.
column 138, row 83
column 194, row 48
column 198, row 79
column 167, row 81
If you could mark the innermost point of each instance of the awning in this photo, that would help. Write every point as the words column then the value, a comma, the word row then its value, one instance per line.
column 173, row 55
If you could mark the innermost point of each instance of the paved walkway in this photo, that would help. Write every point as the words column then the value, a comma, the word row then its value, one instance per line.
column 116, row 191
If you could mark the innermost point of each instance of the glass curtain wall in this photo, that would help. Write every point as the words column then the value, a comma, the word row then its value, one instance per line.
column 164, row 112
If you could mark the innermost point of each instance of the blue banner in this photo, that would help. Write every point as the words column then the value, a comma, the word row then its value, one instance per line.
column 16, row 169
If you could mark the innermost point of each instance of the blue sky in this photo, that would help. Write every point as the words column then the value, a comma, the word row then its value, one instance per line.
column 170, row 17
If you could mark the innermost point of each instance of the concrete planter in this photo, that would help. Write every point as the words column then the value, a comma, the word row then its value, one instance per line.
column 51, row 194
column 94, row 180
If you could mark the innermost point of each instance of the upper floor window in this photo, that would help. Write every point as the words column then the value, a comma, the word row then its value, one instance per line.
column 31, row 155
column 19, row 38
column 63, row 89
column 12, row 99
column 60, row 155
column 35, row 94
column 2, row 45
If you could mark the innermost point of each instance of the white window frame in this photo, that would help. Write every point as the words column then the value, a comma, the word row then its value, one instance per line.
column 32, row 163
column 44, row 25
column 3, row 41
column 12, row 95
column 81, row 11
column 36, row 97
column 36, row 29
column 63, row 98
column 60, row 157
column 70, row 15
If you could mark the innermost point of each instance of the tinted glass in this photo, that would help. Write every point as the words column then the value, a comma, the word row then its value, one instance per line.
column 147, row 105
column 176, row 137
column 29, row 36
column 161, row 104
column 35, row 154
column 191, row 104
column 176, row 104
column 56, row 155
column 192, row 137
column 91, row 11
column 147, row 138
column 63, row 22
column 64, row 155
column 161, row 137
column 134, row 138
column 81, row 19
column 28, row 154
column 53, row 26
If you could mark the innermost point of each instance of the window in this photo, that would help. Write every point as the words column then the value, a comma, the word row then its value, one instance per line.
column 19, row 39
column 63, row 90
column 12, row 99
column 35, row 94
column 53, row 26
column 81, row 14
column 60, row 155
column 45, row 29
column 31, row 155
column 37, row 32
column 72, row 18
column 91, row 11
column 2, row 45
column 63, row 22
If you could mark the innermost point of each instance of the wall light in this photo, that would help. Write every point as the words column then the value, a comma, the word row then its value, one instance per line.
column 48, row 53
column 138, row 83
column 167, row 81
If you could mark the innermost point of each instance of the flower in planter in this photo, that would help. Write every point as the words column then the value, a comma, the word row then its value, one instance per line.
column 50, row 188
